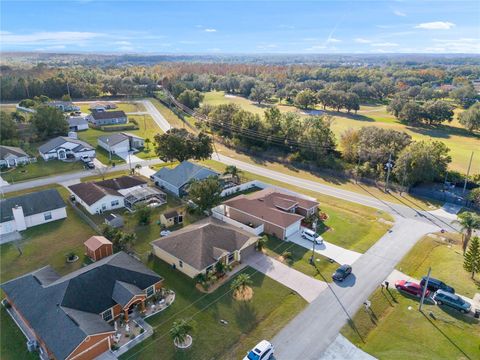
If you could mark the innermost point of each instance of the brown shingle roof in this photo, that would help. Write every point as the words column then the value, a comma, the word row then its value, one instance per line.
column 200, row 245
column 271, row 205
column 96, row 241
column 123, row 182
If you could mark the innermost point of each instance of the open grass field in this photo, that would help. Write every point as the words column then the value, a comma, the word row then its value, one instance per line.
column 46, row 244
column 397, row 330
column 147, row 129
column 446, row 260
column 168, row 114
column 300, row 259
column 39, row 169
column 271, row 308
column 460, row 141
column 365, row 220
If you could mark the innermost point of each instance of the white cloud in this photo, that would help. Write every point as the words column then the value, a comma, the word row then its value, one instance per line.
column 436, row 25
column 123, row 43
column 267, row 46
column 210, row 30
column 461, row 45
column 363, row 41
column 45, row 38
column 333, row 40
column 384, row 44
column 399, row 13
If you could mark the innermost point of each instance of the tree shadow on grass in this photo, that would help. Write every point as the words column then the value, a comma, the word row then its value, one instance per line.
column 245, row 316
column 350, row 116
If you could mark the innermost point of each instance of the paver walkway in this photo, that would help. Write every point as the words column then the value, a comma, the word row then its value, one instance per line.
column 337, row 253
column 306, row 286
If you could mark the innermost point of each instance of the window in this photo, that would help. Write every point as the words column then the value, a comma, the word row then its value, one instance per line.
column 47, row 216
column 180, row 219
column 180, row 263
column 150, row 291
column 231, row 258
column 115, row 202
column 107, row 315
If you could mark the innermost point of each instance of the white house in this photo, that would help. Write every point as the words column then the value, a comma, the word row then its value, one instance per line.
column 120, row 142
column 22, row 212
column 13, row 156
column 64, row 105
column 77, row 123
column 63, row 148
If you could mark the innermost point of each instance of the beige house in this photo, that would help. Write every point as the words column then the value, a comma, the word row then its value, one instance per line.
column 196, row 248
column 171, row 218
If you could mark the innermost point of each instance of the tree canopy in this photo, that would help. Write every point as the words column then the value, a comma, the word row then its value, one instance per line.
column 48, row 122
column 180, row 145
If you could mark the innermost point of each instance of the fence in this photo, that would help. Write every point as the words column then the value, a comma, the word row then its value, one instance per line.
column 218, row 212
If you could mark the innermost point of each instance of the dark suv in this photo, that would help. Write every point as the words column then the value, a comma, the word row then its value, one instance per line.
column 435, row 284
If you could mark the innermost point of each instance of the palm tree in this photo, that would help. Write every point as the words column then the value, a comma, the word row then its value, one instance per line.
column 241, row 283
column 234, row 171
column 262, row 242
column 468, row 222
column 179, row 331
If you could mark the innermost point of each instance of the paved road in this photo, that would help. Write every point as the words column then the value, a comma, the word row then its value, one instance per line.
column 304, row 285
column 156, row 115
column 313, row 330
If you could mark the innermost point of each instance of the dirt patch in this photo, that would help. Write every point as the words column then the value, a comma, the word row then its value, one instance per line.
column 243, row 295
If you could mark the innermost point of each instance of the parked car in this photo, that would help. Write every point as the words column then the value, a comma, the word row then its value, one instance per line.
column 435, row 284
column 90, row 165
column 411, row 288
column 262, row 351
column 342, row 272
column 452, row 300
column 85, row 158
column 165, row 232
column 312, row 236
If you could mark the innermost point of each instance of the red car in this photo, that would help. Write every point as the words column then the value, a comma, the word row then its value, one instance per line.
column 411, row 288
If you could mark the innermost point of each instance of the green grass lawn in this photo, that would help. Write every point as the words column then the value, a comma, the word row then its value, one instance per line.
column 168, row 114
column 128, row 107
column 395, row 332
column 46, row 244
column 364, row 227
column 446, row 260
column 147, row 129
column 39, row 169
column 271, row 308
column 460, row 142
column 300, row 259
column 13, row 344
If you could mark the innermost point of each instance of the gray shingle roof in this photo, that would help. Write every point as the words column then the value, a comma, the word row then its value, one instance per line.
column 64, row 311
column 76, row 120
column 124, row 292
column 102, row 115
column 183, row 173
column 113, row 139
column 201, row 244
column 33, row 203
column 60, row 140
column 7, row 150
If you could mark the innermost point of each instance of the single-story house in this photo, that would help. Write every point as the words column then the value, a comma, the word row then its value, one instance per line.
column 196, row 248
column 126, row 191
column 114, row 220
column 172, row 217
column 65, row 106
column 281, row 213
column 13, row 156
column 102, row 106
column 63, row 148
column 120, row 142
column 71, row 317
column 176, row 180
column 100, row 118
column 98, row 247
column 77, row 123
column 24, row 211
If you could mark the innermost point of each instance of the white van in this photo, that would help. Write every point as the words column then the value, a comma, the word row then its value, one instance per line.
column 312, row 236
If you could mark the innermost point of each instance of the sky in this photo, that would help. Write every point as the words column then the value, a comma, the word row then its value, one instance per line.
column 240, row 27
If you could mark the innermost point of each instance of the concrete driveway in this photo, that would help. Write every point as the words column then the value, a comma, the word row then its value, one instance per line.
column 306, row 286
column 337, row 253
column 133, row 158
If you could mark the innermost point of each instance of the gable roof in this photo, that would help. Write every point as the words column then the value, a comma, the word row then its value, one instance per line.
column 76, row 120
column 95, row 242
column 103, row 115
column 64, row 312
column 60, row 140
column 32, row 203
column 124, row 292
column 201, row 244
column 271, row 205
column 183, row 173
column 11, row 150
column 113, row 139
column 91, row 192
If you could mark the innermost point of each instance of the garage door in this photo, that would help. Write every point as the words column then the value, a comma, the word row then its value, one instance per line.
column 292, row 229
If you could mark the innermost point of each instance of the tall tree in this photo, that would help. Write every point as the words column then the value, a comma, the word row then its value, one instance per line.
column 305, row 99
column 471, row 259
column 412, row 112
column 49, row 122
column 179, row 144
column 205, row 193
column 261, row 92
column 465, row 95
column 8, row 127
column 438, row 111
column 190, row 98
column 468, row 221
column 470, row 118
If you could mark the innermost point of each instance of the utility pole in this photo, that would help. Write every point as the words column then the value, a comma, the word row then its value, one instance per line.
column 314, row 226
column 389, row 166
column 468, row 173
column 424, row 290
